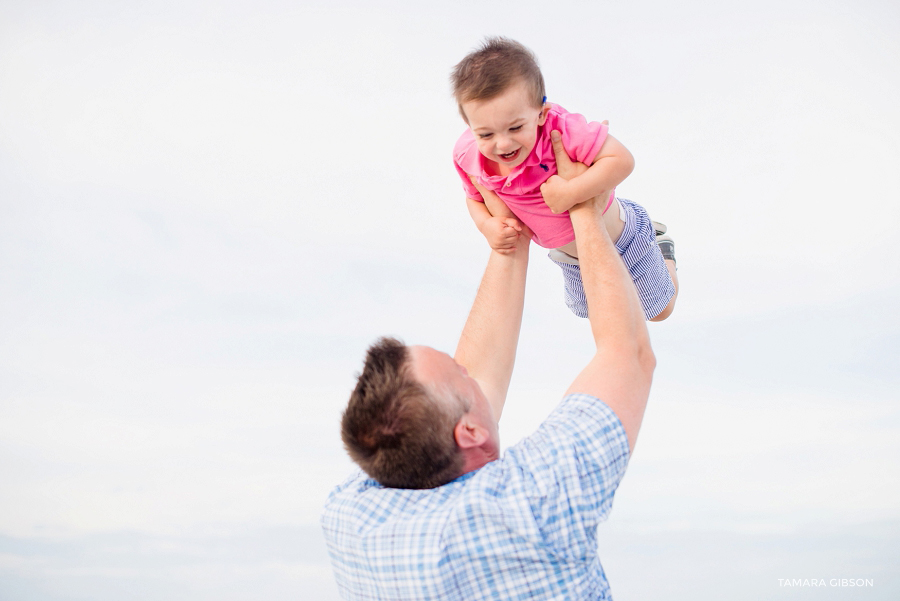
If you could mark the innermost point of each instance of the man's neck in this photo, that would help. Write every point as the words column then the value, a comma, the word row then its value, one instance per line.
column 476, row 458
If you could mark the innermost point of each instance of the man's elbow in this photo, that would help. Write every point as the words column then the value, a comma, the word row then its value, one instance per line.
column 646, row 359
column 634, row 356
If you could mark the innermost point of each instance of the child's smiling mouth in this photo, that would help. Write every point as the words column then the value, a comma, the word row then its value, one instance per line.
column 510, row 156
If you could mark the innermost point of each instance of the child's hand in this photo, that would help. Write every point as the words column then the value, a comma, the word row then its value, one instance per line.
column 502, row 234
column 556, row 194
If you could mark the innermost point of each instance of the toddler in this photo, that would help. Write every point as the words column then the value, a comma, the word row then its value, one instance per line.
column 506, row 163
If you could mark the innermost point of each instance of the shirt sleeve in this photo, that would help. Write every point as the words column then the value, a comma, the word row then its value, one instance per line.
column 581, row 138
column 465, row 157
column 575, row 462
column 471, row 191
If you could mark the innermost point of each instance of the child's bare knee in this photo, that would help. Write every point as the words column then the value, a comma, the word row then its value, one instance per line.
column 665, row 312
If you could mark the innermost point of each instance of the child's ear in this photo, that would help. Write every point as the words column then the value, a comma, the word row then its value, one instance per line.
column 544, row 110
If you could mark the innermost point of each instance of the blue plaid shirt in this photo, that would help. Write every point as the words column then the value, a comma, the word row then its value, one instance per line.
column 521, row 527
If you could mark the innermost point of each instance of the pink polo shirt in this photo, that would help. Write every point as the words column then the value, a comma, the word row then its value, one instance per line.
column 521, row 189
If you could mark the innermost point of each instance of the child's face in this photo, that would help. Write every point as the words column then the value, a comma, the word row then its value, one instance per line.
column 505, row 126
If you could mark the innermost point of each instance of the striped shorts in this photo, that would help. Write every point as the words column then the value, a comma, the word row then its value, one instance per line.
column 642, row 258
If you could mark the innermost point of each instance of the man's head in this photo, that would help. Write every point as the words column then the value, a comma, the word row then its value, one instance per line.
column 500, row 92
column 409, row 421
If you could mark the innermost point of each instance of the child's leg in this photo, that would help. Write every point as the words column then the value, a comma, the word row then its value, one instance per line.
column 576, row 301
column 567, row 259
column 641, row 251
column 670, row 265
column 667, row 250
column 651, row 269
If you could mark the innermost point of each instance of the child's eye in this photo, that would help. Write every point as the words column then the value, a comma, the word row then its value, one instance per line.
column 516, row 128
column 485, row 136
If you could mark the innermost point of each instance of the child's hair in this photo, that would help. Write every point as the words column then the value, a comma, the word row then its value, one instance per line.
column 489, row 71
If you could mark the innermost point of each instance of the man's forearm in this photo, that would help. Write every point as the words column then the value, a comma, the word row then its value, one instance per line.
column 615, row 312
column 487, row 346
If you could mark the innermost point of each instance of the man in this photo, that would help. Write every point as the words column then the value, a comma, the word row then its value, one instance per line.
column 440, row 514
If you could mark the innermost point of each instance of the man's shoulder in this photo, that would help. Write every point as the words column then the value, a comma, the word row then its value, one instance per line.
column 578, row 412
column 357, row 482
column 580, row 425
column 341, row 502
column 362, row 504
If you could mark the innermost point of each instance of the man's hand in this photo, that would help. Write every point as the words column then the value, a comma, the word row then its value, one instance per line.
column 502, row 234
column 502, row 230
column 557, row 191
column 565, row 167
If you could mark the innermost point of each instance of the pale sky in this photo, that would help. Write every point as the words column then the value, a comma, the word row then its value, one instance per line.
column 209, row 210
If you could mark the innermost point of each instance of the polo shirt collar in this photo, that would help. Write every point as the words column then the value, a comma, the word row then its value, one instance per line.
column 532, row 160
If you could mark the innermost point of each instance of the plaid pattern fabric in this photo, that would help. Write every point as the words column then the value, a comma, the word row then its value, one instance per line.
column 521, row 527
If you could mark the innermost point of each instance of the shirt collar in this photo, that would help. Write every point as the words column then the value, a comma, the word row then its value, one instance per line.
column 533, row 159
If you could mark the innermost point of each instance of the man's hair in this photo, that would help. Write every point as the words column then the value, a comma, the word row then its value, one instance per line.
column 399, row 430
column 492, row 69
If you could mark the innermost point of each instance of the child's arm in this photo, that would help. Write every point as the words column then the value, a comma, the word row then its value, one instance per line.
column 494, row 220
column 611, row 165
column 501, row 230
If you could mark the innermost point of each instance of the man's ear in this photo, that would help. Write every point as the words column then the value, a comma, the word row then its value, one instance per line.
column 544, row 110
column 468, row 434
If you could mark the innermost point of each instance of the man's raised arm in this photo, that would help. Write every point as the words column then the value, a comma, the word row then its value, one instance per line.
column 620, row 372
column 487, row 346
